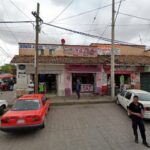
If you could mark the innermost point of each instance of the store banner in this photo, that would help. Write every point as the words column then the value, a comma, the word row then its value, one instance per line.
column 83, row 68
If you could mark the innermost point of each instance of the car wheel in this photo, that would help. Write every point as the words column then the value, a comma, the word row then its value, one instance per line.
column 2, row 108
column 117, row 101
column 48, row 108
column 44, row 124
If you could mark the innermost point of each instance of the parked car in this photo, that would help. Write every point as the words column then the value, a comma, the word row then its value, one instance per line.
column 3, row 106
column 126, row 97
column 28, row 111
column 4, row 85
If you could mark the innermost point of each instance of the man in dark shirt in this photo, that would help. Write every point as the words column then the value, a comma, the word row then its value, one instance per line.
column 136, row 111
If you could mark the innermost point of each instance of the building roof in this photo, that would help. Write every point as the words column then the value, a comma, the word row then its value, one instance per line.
column 103, row 59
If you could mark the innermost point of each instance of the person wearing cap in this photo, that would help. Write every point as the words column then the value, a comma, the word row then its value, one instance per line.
column 136, row 111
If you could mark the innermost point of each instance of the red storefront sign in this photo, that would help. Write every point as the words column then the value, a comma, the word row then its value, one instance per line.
column 83, row 68
column 122, row 69
column 80, row 51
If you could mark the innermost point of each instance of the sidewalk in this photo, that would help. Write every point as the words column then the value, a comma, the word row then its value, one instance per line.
column 70, row 100
column 10, row 96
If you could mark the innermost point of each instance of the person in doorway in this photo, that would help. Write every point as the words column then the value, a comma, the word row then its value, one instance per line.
column 78, row 88
column 136, row 111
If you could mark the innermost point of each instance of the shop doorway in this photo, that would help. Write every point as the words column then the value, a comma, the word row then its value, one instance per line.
column 126, row 81
column 145, row 82
column 87, row 82
column 50, row 81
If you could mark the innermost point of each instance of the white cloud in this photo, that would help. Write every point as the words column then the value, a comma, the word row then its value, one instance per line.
column 127, row 29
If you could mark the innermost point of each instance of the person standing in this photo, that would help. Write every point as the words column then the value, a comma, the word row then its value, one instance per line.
column 78, row 88
column 11, row 84
column 136, row 111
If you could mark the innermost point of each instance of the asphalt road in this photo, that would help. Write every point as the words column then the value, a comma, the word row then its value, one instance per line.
column 79, row 127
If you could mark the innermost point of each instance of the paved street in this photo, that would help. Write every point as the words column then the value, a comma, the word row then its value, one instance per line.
column 79, row 127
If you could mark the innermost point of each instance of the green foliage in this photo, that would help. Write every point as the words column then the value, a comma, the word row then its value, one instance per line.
column 8, row 68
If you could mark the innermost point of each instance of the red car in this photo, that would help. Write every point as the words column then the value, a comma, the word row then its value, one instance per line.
column 29, row 111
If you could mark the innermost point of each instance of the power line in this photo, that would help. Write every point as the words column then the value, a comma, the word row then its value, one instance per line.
column 89, row 35
column 86, row 12
column 92, row 23
column 61, row 12
column 118, row 10
column 115, row 20
column 10, row 29
column 17, row 31
column 19, row 9
column 4, row 52
column 12, row 22
column 129, row 15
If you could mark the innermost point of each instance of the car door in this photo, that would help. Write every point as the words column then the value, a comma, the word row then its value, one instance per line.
column 127, row 99
column 121, row 97
column 45, row 104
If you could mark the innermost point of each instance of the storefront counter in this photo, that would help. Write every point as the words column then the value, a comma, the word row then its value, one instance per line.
column 86, row 88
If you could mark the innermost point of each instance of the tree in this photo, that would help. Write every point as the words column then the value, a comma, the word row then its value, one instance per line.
column 8, row 68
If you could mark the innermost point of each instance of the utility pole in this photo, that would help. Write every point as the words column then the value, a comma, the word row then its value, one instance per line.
column 38, row 20
column 112, row 52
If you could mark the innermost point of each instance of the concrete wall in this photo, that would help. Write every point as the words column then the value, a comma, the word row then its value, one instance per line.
column 131, row 50
column 23, row 76
column 22, row 79
column 124, row 50
column 147, row 53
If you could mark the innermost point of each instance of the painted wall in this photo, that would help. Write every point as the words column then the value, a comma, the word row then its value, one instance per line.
column 21, row 78
column 123, row 49
column 80, row 50
column 68, row 84
column 61, row 85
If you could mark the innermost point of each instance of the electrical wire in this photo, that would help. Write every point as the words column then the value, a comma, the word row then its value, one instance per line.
column 129, row 15
column 115, row 20
column 19, row 9
column 86, row 12
column 5, row 52
column 92, row 24
column 118, row 10
column 89, row 35
column 17, row 22
column 61, row 12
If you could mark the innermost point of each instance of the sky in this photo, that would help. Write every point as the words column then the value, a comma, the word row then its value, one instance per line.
column 132, row 23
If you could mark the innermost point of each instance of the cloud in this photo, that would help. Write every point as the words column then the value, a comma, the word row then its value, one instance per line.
column 60, row 2
column 127, row 29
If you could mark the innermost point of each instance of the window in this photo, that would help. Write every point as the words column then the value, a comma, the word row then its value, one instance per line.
column 21, row 105
column 123, row 93
column 128, row 95
column 51, row 51
column 41, row 51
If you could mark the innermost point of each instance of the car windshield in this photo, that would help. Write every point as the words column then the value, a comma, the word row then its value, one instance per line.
column 26, row 105
column 143, row 96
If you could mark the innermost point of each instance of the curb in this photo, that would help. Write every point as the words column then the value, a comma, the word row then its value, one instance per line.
column 75, row 103
column 80, row 103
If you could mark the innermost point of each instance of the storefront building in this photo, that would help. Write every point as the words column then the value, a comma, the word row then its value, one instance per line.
column 61, row 66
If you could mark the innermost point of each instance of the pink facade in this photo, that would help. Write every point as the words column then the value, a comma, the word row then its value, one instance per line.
column 94, row 70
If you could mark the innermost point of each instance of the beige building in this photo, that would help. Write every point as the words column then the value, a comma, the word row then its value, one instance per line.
column 60, row 67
